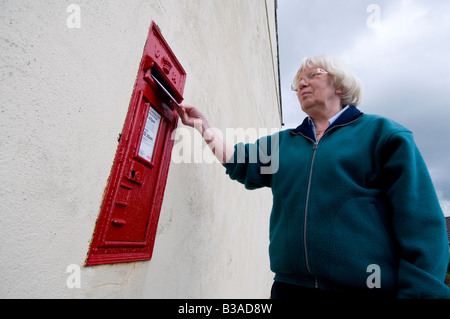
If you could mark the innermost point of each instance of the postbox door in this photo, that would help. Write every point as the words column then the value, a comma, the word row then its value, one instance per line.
column 132, row 203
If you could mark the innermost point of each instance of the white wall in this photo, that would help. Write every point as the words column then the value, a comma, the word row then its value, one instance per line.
column 64, row 95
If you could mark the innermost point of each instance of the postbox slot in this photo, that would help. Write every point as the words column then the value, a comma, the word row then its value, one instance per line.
column 155, row 75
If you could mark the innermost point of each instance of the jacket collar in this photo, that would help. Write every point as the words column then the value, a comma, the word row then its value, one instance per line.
column 305, row 129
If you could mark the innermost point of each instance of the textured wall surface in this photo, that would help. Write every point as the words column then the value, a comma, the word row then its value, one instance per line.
column 64, row 95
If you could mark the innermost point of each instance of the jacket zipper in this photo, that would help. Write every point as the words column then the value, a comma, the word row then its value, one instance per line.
column 308, row 269
column 316, row 284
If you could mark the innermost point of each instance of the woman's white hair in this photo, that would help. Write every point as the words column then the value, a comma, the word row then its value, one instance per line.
column 343, row 78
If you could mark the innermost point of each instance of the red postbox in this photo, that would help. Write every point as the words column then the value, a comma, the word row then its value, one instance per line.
column 126, row 227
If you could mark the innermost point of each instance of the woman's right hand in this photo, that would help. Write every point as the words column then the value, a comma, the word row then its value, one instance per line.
column 190, row 115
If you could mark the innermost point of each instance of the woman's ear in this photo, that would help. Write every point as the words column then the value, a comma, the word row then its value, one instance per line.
column 339, row 91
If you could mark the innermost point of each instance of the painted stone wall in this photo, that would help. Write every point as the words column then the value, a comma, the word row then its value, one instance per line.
column 65, row 87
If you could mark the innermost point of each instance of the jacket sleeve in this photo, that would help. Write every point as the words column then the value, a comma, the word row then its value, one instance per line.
column 253, row 164
column 417, row 220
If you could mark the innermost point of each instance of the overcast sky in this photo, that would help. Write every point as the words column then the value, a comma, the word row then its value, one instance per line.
column 403, row 63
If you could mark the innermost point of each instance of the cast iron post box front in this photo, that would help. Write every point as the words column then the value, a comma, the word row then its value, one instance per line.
column 126, row 227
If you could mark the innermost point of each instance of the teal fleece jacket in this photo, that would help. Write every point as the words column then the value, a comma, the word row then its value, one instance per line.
column 357, row 210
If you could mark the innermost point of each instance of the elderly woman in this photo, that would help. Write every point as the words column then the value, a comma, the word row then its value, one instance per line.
column 354, row 209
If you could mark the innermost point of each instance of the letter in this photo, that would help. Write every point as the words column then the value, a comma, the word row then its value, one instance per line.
column 198, row 143
column 248, row 308
column 236, row 135
column 373, row 281
column 181, row 309
column 74, row 279
column 74, row 20
column 182, row 150
column 241, row 309
column 374, row 20
column 267, row 308
column 225, row 308
column 208, row 152
column 208, row 309
column 273, row 158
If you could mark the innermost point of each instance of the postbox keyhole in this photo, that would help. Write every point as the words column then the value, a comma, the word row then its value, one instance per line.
column 136, row 173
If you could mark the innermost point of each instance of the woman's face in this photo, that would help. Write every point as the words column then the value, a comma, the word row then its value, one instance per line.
column 316, row 90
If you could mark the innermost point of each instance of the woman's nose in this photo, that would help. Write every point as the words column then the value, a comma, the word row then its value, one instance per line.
column 302, row 84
